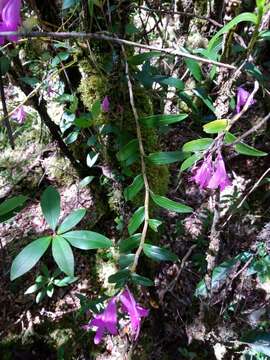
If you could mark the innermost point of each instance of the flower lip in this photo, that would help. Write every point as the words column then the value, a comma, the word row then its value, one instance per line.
column 242, row 98
column 105, row 104
column 104, row 322
column 135, row 311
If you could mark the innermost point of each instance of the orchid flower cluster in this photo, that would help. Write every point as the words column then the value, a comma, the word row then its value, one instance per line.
column 10, row 18
column 211, row 174
column 106, row 322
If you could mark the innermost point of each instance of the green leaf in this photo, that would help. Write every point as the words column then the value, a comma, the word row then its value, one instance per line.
column 195, row 69
column 136, row 220
column 154, row 224
column 28, row 257
column 50, row 205
column 32, row 289
column 62, row 56
column 86, row 181
column 65, row 281
column 91, row 159
column 215, row 126
column 190, row 161
column 96, row 109
column 260, row 342
column 4, row 65
column 40, row 296
column 169, row 157
column 132, row 190
column 161, row 120
column 158, row 254
column 197, row 145
column 200, row 93
column 128, row 150
column 12, row 204
column 71, row 220
column 129, row 244
column 247, row 16
column 86, row 240
column 63, row 255
column 141, row 280
column 169, row 81
column 68, row 4
column 141, row 58
column 126, row 260
column 242, row 148
column 120, row 276
column 170, row 205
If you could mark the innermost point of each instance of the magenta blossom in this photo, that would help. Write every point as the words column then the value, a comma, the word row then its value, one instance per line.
column 105, row 104
column 10, row 18
column 19, row 115
column 135, row 311
column 219, row 178
column 242, row 98
column 105, row 321
column 203, row 173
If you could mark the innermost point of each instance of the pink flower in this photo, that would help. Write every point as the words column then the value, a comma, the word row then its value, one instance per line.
column 219, row 178
column 105, row 104
column 10, row 18
column 105, row 321
column 135, row 311
column 19, row 115
column 203, row 173
column 242, row 98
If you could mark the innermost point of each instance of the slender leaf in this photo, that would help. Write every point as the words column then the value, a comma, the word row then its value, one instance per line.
column 141, row 280
column 248, row 17
column 169, row 157
column 71, row 220
column 126, row 259
column 11, row 204
column 190, row 161
column 197, row 145
column 136, row 220
column 120, row 276
column 63, row 255
column 141, row 58
column 50, row 205
column 128, row 150
column 170, row 204
column 154, row 224
column 161, row 120
column 132, row 190
column 86, row 240
column 215, row 126
column 258, row 341
column 129, row 244
column 158, row 254
column 28, row 257
column 242, row 148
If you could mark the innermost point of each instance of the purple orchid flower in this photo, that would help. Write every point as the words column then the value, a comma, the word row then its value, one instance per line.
column 203, row 173
column 219, row 178
column 105, row 321
column 135, row 311
column 10, row 18
column 19, row 115
column 105, row 104
column 242, row 98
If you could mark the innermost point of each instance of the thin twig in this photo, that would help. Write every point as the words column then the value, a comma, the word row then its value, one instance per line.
column 172, row 284
column 172, row 12
column 143, row 167
column 247, row 195
column 6, row 115
column 250, row 131
column 83, row 35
